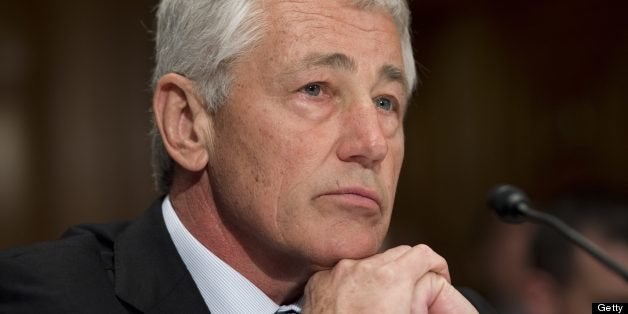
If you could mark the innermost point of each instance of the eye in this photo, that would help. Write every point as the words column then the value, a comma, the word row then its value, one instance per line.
column 385, row 103
column 312, row 89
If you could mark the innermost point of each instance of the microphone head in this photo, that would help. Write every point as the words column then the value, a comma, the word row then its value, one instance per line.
column 507, row 202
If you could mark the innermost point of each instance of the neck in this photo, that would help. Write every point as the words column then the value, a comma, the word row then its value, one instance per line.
column 281, row 278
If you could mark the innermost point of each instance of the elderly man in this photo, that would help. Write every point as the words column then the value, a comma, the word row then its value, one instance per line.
column 278, row 143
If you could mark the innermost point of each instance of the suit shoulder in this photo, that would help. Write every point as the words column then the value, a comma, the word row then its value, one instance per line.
column 45, row 274
column 77, row 240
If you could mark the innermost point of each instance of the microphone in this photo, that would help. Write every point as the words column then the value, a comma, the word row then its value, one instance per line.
column 512, row 206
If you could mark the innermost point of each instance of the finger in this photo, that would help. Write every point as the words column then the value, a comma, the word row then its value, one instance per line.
column 389, row 255
column 421, row 259
column 371, row 263
column 433, row 294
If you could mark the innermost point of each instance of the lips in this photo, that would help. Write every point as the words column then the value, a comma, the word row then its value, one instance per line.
column 356, row 196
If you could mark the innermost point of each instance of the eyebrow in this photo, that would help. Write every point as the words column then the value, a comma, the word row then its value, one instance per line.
column 333, row 60
column 340, row 61
column 392, row 73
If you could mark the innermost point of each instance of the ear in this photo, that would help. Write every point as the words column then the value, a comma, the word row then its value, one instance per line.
column 182, row 120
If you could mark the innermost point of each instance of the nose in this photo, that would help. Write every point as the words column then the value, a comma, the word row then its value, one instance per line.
column 363, row 140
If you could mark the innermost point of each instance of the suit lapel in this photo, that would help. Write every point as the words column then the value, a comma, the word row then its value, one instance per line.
column 149, row 273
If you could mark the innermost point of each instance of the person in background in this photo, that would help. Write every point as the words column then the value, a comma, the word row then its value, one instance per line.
column 278, row 142
column 563, row 278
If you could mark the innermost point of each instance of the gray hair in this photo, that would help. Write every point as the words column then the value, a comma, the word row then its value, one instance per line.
column 200, row 39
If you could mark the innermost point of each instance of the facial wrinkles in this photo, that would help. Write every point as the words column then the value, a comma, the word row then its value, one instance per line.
column 307, row 8
column 335, row 174
column 307, row 16
column 311, row 20
column 311, row 23
column 315, row 19
column 275, row 145
column 330, row 174
column 306, row 11
column 307, row 19
column 371, row 40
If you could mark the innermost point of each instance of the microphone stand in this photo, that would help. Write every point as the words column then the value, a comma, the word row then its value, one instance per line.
column 511, row 205
column 575, row 237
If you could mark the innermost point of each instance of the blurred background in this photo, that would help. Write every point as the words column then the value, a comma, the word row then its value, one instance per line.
column 532, row 93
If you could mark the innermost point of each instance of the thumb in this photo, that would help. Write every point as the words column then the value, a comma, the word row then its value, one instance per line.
column 434, row 295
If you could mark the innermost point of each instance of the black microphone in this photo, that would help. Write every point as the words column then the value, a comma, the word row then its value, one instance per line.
column 512, row 206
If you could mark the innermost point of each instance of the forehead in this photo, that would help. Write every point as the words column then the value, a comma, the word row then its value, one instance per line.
column 330, row 24
column 343, row 11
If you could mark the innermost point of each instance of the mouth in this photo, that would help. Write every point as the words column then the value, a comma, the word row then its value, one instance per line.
column 356, row 197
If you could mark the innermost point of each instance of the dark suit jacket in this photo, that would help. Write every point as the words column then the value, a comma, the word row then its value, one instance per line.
column 115, row 268
column 128, row 267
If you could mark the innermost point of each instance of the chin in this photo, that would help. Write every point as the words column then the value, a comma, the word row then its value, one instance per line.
column 355, row 247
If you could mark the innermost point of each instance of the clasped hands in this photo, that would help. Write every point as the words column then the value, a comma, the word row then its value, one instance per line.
column 403, row 279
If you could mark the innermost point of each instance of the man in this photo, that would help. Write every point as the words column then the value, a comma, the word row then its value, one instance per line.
column 564, row 278
column 278, row 142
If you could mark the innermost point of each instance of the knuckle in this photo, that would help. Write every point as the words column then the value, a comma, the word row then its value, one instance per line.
column 424, row 248
column 404, row 247
column 365, row 266
column 426, row 251
column 344, row 265
column 316, row 276
column 443, row 261
column 386, row 273
column 437, row 281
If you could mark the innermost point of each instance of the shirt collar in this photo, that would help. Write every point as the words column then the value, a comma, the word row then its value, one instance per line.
column 222, row 287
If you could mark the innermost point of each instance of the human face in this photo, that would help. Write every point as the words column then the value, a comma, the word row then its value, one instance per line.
column 305, row 156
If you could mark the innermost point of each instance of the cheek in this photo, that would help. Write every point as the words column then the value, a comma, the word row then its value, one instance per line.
column 307, row 166
column 245, row 166
column 268, row 159
column 395, row 155
column 399, row 157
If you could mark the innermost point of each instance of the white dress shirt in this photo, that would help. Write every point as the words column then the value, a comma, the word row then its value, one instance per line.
column 224, row 290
